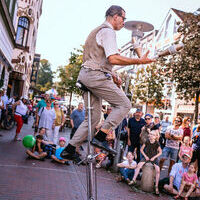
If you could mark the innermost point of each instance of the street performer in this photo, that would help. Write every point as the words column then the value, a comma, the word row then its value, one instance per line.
column 99, row 56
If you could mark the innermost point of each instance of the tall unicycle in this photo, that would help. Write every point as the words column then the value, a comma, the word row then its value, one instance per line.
column 90, row 158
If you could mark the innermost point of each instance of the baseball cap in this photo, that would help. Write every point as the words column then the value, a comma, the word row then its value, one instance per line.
column 62, row 139
column 185, row 154
column 148, row 115
column 138, row 110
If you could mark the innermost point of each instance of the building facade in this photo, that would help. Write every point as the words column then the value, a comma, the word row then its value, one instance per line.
column 8, row 9
column 28, row 14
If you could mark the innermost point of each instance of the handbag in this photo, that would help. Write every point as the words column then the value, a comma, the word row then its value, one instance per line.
column 25, row 118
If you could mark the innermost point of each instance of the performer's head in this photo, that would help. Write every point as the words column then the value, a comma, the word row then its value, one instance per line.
column 115, row 15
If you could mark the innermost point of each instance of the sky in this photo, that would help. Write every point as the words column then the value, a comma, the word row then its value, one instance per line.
column 65, row 24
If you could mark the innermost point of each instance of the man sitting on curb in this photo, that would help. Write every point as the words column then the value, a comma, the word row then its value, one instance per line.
column 173, row 183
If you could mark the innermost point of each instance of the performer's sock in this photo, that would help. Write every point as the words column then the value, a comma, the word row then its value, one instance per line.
column 101, row 136
column 70, row 149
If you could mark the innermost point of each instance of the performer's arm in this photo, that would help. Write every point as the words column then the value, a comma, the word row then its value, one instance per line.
column 122, row 60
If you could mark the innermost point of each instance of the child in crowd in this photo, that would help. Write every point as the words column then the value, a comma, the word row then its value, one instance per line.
column 151, row 150
column 37, row 151
column 102, row 156
column 57, row 156
column 185, row 147
column 189, row 181
column 45, row 141
column 127, row 168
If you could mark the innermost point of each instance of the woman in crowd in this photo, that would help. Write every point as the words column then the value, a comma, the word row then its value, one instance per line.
column 20, row 109
column 59, row 121
column 186, row 127
column 157, row 123
column 46, row 119
column 173, row 135
column 146, row 129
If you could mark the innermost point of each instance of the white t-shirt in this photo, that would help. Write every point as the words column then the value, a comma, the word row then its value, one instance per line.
column 133, row 164
column 21, row 109
column 173, row 143
column 47, row 118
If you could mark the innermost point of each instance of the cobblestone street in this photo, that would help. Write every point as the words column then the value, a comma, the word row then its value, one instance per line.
column 22, row 178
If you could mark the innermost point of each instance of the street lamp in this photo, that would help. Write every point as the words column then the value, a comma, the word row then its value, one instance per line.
column 138, row 28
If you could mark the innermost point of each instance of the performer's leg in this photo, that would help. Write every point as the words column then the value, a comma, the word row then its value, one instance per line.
column 82, row 132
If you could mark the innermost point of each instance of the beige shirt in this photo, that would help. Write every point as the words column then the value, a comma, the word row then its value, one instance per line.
column 106, row 38
column 59, row 117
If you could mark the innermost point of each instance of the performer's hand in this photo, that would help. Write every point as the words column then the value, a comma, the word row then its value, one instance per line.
column 145, row 60
column 117, row 80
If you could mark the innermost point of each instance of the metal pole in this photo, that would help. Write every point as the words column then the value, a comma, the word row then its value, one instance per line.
column 91, row 185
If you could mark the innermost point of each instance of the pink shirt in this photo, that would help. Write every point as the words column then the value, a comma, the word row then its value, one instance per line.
column 185, row 149
column 190, row 179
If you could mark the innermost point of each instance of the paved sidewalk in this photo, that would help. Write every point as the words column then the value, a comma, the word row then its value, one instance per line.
column 27, row 179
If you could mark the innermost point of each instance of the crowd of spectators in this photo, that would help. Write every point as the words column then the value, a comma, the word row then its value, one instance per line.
column 145, row 140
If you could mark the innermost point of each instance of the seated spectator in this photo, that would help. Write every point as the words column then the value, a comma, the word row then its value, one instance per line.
column 37, row 151
column 45, row 139
column 102, row 156
column 188, row 183
column 151, row 150
column 173, row 183
column 127, row 168
column 57, row 156
column 185, row 147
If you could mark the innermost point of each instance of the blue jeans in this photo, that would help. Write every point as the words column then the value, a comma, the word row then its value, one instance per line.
column 127, row 173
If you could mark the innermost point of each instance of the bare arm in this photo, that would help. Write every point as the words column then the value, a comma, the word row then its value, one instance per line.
column 72, row 123
column 177, row 137
column 157, row 155
column 122, row 60
column 14, row 106
column 142, row 151
column 129, row 141
column 122, row 165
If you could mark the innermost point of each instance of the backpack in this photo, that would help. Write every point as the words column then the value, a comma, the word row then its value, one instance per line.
column 49, row 149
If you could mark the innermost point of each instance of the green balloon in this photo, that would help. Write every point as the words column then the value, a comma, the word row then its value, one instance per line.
column 28, row 141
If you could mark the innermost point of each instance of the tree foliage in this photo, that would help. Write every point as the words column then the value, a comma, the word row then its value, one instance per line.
column 68, row 74
column 148, row 85
column 184, row 68
column 45, row 76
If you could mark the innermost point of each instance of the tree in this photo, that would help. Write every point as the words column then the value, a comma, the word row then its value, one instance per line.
column 184, row 68
column 148, row 86
column 68, row 74
column 45, row 76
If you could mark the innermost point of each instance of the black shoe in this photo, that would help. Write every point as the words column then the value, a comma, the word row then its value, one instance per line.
column 66, row 155
column 77, row 160
column 103, row 145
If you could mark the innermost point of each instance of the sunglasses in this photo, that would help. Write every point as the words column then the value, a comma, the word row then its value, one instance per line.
column 177, row 121
column 147, row 118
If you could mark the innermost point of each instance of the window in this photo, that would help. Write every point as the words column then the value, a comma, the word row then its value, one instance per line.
column 22, row 31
